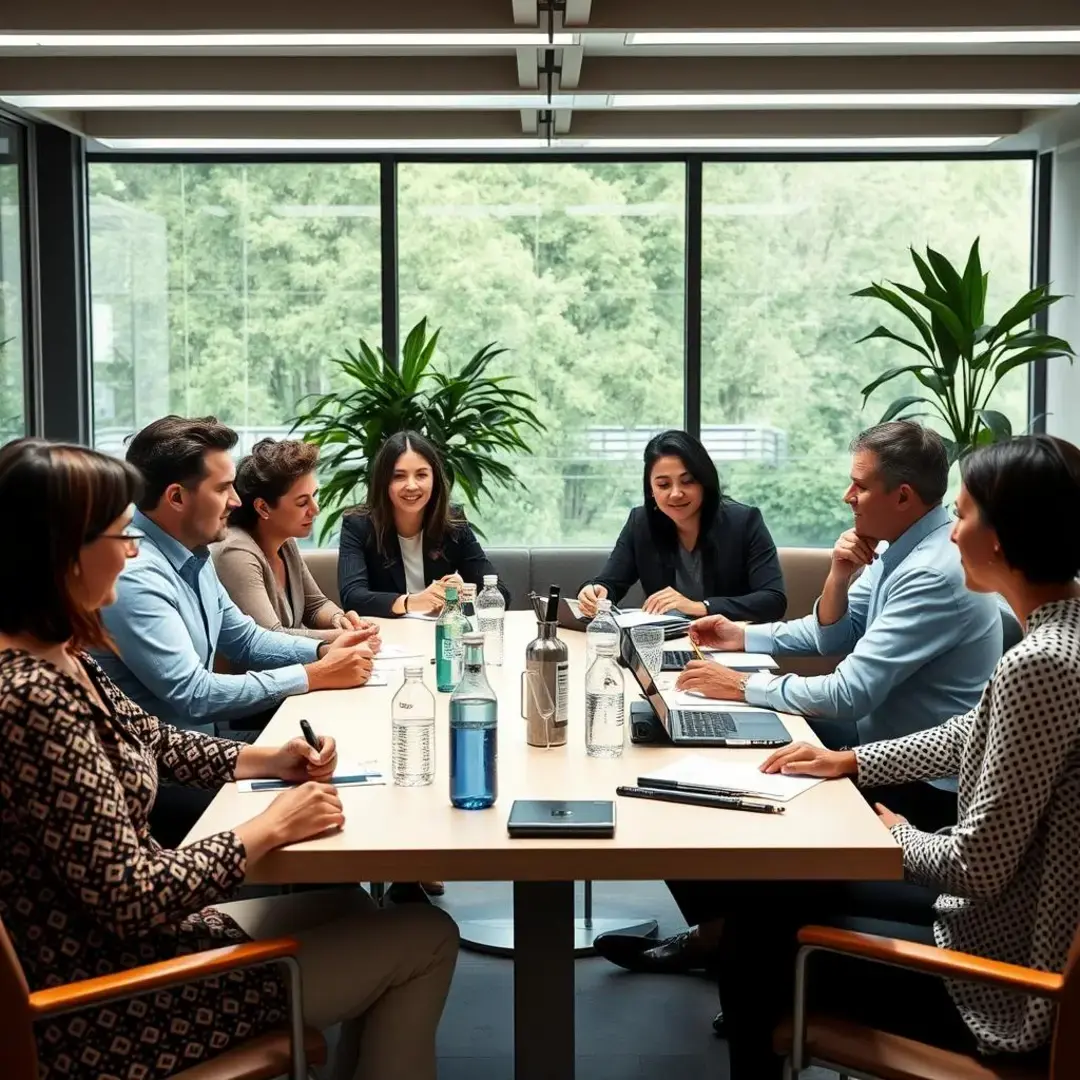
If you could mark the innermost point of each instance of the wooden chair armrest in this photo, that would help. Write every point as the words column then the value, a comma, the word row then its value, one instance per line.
column 141, row 980
column 932, row 960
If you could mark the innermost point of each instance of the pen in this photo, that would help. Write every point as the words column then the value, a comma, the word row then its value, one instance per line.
column 720, row 802
column 697, row 651
column 698, row 789
column 309, row 735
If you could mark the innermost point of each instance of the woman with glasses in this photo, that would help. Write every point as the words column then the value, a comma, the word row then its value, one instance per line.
column 1004, row 882
column 259, row 562
column 86, row 891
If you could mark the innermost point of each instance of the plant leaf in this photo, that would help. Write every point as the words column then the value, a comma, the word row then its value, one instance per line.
column 900, row 404
column 892, row 373
column 895, row 300
column 885, row 332
column 997, row 423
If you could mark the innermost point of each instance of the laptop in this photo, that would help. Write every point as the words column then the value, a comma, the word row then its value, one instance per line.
column 569, row 617
column 710, row 725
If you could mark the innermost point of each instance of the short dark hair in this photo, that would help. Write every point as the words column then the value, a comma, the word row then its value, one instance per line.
column 908, row 453
column 65, row 496
column 695, row 458
column 267, row 473
column 439, row 516
column 1027, row 490
column 173, row 450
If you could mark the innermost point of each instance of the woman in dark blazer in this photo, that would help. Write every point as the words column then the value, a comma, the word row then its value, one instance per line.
column 693, row 550
column 400, row 550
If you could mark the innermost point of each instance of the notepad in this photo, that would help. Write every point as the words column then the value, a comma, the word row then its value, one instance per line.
column 627, row 620
column 744, row 661
column 354, row 774
column 731, row 777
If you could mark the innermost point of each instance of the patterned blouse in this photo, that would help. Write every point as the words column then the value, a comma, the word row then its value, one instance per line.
column 86, row 891
column 1009, row 870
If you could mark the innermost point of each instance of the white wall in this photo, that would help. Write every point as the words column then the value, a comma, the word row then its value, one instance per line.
column 1063, row 380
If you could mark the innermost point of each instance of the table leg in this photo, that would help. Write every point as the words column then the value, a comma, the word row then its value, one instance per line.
column 544, row 980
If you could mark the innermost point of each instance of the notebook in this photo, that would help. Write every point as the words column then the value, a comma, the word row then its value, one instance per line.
column 729, row 778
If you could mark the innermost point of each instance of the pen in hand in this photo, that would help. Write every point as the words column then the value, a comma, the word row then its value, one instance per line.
column 309, row 735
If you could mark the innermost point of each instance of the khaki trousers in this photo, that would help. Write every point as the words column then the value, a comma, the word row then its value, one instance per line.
column 382, row 973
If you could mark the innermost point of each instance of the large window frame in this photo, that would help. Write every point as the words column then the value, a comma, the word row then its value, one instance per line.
column 20, row 155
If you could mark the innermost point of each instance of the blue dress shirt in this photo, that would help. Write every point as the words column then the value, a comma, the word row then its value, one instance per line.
column 918, row 647
column 171, row 616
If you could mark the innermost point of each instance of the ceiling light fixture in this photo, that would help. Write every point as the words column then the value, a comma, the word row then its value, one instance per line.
column 1045, row 36
column 882, row 142
column 278, row 41
column 240, row 145
column 861, row 100
column 492, row 102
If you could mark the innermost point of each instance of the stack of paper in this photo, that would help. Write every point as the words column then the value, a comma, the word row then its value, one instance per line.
column 627, row 619
column 730, row 778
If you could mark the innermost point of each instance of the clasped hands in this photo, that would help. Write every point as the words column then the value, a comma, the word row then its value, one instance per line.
column 659, row 603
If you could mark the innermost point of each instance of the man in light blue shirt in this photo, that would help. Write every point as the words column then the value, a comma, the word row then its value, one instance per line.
column 172, row 615
column 917, row 648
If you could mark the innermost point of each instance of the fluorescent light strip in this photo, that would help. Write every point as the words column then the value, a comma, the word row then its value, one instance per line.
column 900, row 142
column 868, row 100
column 1046, row 36
column 294, row 101
column 277, row 41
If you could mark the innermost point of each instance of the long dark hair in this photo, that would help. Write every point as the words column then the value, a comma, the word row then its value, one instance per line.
column 699, row 465
column 64, row 496
column 439, row 516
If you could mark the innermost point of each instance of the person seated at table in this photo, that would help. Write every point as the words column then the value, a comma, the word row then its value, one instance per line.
column 402, row 547
column 85, row 889
column 1004, row 881
column 917, row 647
column 259, row 562
column 694, row 550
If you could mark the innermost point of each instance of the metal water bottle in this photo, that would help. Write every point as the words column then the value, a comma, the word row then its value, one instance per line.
column 546, row 662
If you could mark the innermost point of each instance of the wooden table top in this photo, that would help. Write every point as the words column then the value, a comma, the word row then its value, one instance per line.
column 409, row 834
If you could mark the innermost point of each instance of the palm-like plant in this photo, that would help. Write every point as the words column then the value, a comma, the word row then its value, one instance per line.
column 963, row 357
column 471, row 417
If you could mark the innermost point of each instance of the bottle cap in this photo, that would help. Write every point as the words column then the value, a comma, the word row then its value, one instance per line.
column 473, row 637
column 451, row 593
column 414, row 671
column 491, row 579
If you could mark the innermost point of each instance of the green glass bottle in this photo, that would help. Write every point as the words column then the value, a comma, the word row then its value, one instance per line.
column 450, row 630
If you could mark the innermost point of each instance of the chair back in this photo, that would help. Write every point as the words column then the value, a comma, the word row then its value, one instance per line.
column 1065, row 1045
column 16, row 1027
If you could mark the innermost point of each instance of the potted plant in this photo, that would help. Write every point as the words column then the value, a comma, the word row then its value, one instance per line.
column 962, row 357
column 471, row 417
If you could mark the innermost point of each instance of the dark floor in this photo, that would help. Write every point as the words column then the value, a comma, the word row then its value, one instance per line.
column 629, row 1027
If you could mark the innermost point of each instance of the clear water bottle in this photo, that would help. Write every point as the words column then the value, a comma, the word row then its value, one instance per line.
column 605, row 708
column 474, row 734
column 601, row 630
column 450, row 628
column 412, row 715
column 490, row 617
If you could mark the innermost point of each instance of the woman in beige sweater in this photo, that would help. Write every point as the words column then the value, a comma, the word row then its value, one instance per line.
column 259, row 562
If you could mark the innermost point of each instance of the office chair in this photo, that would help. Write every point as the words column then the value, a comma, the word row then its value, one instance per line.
column 286, row 1052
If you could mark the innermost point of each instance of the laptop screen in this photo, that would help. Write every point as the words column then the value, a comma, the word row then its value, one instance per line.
column 647, row 683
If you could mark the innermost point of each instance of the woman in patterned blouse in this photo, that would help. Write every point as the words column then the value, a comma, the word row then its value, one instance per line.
column 86, row 891
column 1004, row 882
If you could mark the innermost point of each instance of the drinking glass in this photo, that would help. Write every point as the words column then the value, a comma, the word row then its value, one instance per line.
column 649, row 642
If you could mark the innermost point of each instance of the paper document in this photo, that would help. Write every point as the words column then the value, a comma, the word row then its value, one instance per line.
column 737, row 777
column 745, row 661
column 395, row 652
column 354, row 774
column 627, row 619
column 377, row 676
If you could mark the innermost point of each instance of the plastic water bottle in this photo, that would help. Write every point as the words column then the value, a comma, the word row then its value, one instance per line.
column 601, row 630
column 474, row 734
column 468, row 603
column 605, row 708
column 412, row 715
column 450, row 628
column 490, row 617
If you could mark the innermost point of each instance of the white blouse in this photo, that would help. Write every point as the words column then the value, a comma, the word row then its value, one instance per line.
column 412, row 558
column 1009, row 870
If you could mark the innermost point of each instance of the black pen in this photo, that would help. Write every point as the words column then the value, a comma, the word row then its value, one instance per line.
column 309, row 735
column 697, row 789
column 720, row 802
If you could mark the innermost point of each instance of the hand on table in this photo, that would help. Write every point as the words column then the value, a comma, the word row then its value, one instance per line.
column 429, row 602
column 341, row 666
column 803, row 759
column 711, row 679
column 718, row 632
column 887, row 817
column 588, row 597
column 296, row 761
column 667, row 600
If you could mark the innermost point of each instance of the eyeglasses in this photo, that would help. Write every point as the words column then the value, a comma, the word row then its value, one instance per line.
column 130, row 536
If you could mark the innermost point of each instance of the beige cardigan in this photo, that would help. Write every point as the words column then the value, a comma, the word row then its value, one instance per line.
column 249, row 579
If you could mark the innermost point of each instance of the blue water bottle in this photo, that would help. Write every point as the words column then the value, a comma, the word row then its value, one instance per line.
column 474, row 733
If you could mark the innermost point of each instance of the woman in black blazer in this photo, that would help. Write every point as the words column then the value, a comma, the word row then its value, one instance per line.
column 400, row 550
column 693, row 550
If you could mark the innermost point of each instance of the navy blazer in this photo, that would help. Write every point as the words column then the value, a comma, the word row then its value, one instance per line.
column 739, row 564
column 370, row 582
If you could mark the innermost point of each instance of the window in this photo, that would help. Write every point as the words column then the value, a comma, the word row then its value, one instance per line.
column 784, row 246
column 577, row 269
column 224, row 289
column 12, row 337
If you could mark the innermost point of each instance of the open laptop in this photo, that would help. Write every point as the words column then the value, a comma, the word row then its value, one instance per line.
column 710, row 725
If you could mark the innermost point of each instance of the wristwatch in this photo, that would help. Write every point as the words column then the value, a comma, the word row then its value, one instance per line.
column 743, row 683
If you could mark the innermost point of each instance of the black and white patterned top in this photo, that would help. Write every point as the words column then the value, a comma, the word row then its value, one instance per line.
column 1009, row 870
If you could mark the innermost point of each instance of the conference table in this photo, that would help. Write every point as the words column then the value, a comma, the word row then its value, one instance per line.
column 413, row 834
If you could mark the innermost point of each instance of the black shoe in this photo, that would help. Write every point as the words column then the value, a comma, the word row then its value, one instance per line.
column 718, row 1025
column 675, row 955
column 407, row 892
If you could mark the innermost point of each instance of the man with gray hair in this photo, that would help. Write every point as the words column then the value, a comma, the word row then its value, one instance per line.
column 917, row 648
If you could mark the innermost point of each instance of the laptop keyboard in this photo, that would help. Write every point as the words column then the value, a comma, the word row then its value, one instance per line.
column 676, row 659
column 706, row 724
